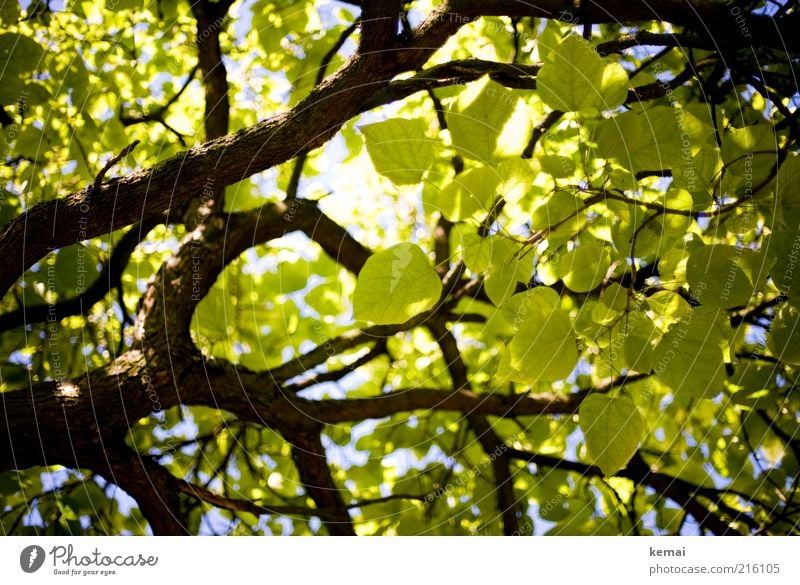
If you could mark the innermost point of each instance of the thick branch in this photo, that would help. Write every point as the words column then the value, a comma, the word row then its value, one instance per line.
column 714, row 22
column 455, row 73
column 152, row 192
column 151, row 485
column 463, row 401
column 182, row 281
column 110, row 278
column 312, row 465
column 210, row 17
column 67, row 422
column 379, row 19
column 82, row 415
column 681, row 492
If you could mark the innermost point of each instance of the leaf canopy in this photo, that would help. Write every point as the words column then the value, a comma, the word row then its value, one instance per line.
column 293, row 268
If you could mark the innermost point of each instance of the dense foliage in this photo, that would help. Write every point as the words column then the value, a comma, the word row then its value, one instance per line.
column 451, row 267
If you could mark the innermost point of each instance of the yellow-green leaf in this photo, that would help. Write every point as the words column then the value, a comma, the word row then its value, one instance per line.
column 468, row 193
column 510, row 264
column 613, row 429
column 488, row 122
column 576, row 78
column 585, row 267
column 716, row 276
column 395, row 285
column 689, row 358
column 543, row 350
column 399, row 149
column 784, row 335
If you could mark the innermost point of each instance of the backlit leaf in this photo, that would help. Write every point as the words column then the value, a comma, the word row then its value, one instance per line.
column 613, row 428
column 543, row 350
column 399, row 149
column 716, row 276
column 488, row 122
column 784, row 335
column 468, row 193
column 689, row 359
column 576, row 78
column 396, row 284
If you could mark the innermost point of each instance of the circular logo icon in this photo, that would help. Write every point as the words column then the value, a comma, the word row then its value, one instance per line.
column 31, row 558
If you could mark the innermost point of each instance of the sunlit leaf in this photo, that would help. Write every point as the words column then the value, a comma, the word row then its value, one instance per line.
column 468, row 193
column 543, row 349
column 689, row 358
column 399, row 149
column 488, row 122
column 784, row 335
column 613, row 428
column 396, row 284
column 576, row 78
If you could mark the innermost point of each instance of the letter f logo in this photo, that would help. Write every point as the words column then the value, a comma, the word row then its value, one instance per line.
column 31, row 558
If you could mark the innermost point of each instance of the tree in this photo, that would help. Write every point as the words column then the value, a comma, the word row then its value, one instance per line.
column 415, row 268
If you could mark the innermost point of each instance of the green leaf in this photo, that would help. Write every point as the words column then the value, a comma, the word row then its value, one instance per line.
column 638, row 347
column 557, row 166
column 123, row 4
column 11, row 89
column 554, row 210
column 585, row 267
column 788, row 186
column 540, row 299
column 576, row 78
column 37, row 93
column 784, row 335
column 615, row 297
column 400, row 149
column 544, row 348
column 613, row 429
column 9, row 11
column 510, row 264
column 488, row 122
column 689, row 358
column 698, row 174
column 20, row 56
column 749, row 152
column 716, row 276
column 501, row 283
column 395, row 285
column 75, row 270
column 518, row 176
column 661, row 137
column 468, row 193
column 476, row 252
column 782, row 247
column 19, row 53
column 623, row 179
